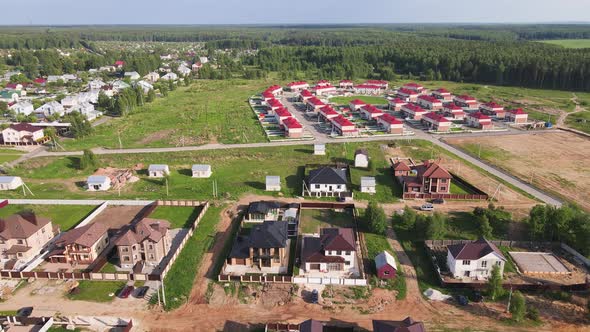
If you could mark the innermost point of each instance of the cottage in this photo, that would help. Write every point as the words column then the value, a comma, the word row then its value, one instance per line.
column 370, row 112
column 414, row 87
column 367, row 89
column 442, row 94
column 385, row 265
column 70, row 101
column 390, row 124
column 145, row 243
column 81, row 245
column 98, row 183
column 454, row 111
column 297, row 86
column 331, row 254
column 201, row 171
column 466, row 101
column 324, row 90
column 275, row 89
column 304, row 96
column 327, row 181
column 517, row 116
column 319, row 149
column 24, row 107
column 274, row 104
column 265, row 249
column 346, row 84
column 492, row 109
column 479, row 120
column 401, row 169
column 96, row 84
column 262, row 211
column 273, row 183
column 10, row 182
column 361, row 158
column 430, row 102
column 266, row 96
column 407, row 95
column 413, row 111
column 368, row 185
column 23, row 236
column 152, row 77
column 52, row 108
column 145, row 86
column 474, row 259
column 428, row 177
column 22, row 133
column 395, row 104
column 327, row 113
column 406, row 325
column 169, row 77
column 323, row 83
column 281, row 114
column 436, row 122
column 87, row 110
column 158, row 171
column 356, row 104
column 380, row 83
column 343, row 126
column 184, row 70
column 314, row 104
column 293, row 129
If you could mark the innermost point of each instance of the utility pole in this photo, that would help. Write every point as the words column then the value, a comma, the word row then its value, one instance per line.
column 163, row 293
column 479, row 152
column 158, row 291
column 119, row 136
column 509, row 299
column 167, row 193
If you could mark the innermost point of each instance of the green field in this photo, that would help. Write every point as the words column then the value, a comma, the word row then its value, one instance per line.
column 312, row 220
column 579, row 121
column 66, row 216
column 367, row 99
column 97, row 291
column 179, row 217
column 8, row 155
column 569, row 43
column 207, row 111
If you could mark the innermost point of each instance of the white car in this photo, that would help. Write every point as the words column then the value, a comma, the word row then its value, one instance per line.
column 427, row 207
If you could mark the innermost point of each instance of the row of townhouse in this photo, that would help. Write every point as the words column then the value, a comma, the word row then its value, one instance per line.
column 276, row 109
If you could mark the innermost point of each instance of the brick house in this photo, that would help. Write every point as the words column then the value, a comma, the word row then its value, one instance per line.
column 356, row 104
column 81, row 245
column 517, row 116
column 395, row 104
column 492, row 109
column 281, row 114
column 408, row 95
column 293, row 129
column 428, row 177
column 324, row 89
column 370, row 112
column 343, row 126
column 390, row 124
column 274, row 104
column 327, row 113
column 442, row 94
column 466, row 101
column 413, row 111
column 146, row 242
column 453, row 110
column 479, row 120
column 23, row 236
column 304, row 96
column 430, row 102
column 314, row 104
column 436, row 122
column 332, row 253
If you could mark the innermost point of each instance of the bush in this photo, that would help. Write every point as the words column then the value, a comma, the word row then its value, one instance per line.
column 376, row 219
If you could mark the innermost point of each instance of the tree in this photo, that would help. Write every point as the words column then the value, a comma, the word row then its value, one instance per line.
column 407, row 220
column 79, row 125
column 518, row 306
column 151, row 96
column 484, row 229
column 376, row 219
column 88, row 160
column 494, row 288
column 437, row 226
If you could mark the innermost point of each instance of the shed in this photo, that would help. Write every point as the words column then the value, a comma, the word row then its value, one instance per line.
column 273, row 183
column 98, row 183
column 319, row 149
column 385, row 265
column 361, row 158
column 201, row 171
column 158, row 171
column 10, row 182
column 368, row 185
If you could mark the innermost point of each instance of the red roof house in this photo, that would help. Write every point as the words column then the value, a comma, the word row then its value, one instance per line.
column 517, row 116
column 454, row 111
column 413, row 111
column 493, row 109
column 370, row 112
column 466, row 101
column 430, row 102
column 346, row 84
column 304, row 96
column 343, row 126
column 391, row 124
column 479, row 120
column 385, row 265
column 380, row 83
column 407, row 94
column 327, row 113
column 119, row 63
column 414, row 87
column 367, row 89
column 356, row 104
column 293, row 129
column 298, row 86
column 314, row 104
column 436, row 122
column 396, row 103
column 442, row 94
column 281, row 114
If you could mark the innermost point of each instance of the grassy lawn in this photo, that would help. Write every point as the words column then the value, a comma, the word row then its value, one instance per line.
column 66, row 216
column 179, row 217
column 207, row 111
column 97, row 291
column 7, row 155
column 579, row 121
column 8, row 312
column 179, row 280
column 458, row 188
column 312, row 220
column 486, row 152
column 367, row 99
column 510, row 266
column 569, row 43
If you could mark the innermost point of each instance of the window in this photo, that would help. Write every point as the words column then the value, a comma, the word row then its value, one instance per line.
column 151, row 246
column 338, row 186
column 126, row 258
column 347, row 252
column 499, row 263
column 443, row 180
column 347, row 263
column 43, row 230
column 466, row 262
column 385, row 273
column 125, row 249
column 339, row 252
column 443, row 188
column 20, row 241
column 317, row 186
column 151, row 256
column 484, row 264
column 20, row 254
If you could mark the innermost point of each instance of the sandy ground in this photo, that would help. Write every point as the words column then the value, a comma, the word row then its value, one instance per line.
column 552, row 161
column 114, row 217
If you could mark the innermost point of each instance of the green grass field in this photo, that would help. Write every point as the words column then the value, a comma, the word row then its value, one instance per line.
column 569, row 43
column 579, row 121
column 312, row 220
column 8, row 155
column 367, row 99
column 179, row 217
column 207, row 111
column 97, row 291
column 66, row 216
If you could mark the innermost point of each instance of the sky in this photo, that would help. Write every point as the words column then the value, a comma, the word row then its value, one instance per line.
column 82, row 12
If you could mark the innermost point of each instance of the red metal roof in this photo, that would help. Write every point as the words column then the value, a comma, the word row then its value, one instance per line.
column 316, row 101
column 119, row 63
column 357, row 102
column 306, row 93
column 345, row 81
column 390, row 119
column 367, row 86
column 377, row 82
column 397, row 101
column 342, row 121
column 414, row 108
column 407, row 92
column 466, row 98
column 328, row 110
column 296, row 83
column 372, row 109
column 267, row 94
column 517, row 111
column 493, row 105
column 430, row 99
column 292, row 123
column 442, row 91
column 40, row 80
column 414, row 85
column 274, row 103
column 454, row 107
column 436, row 117
column 283, row 112
column 480, row 116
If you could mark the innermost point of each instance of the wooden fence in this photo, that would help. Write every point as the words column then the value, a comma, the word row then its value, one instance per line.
column 445, row 196
column 256, row 278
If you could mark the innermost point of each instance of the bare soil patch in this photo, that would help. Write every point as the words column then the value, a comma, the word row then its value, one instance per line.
column 115, row 217
column 156, row 136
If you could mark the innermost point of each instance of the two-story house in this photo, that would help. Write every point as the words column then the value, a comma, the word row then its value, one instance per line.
column 146, row 242
column 428, row 178
column 262, row 211
column 474, row 259
column 332, row 253
column 327, row 181
column 81, row 245
column 263, row 249
column 22, row 133
column 23, row 236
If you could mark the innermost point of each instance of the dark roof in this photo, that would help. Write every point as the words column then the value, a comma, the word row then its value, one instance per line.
column 146, row 229
column 241, row 248
column 328, row 175
column 313, row 252
column 406, row 325
column 19, row 226
column 433, row 170
column 341, row 239
column 312, row 325
column 474, row 250
column 269, row 234
column 361, row 151
column 22, row 126
column 262, row 207
column 84, row 236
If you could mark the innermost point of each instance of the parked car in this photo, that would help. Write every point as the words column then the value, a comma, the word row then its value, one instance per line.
column 140, row 292
column 477, row 297
column 438, row 201
column 314, row 296
column 126, row 292
column 24, row 312
column 427, row 207
column 462, row 300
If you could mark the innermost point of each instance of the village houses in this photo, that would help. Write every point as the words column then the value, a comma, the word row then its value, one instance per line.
column 23, row 236
column 426, row 178
column 145, row 243
column 80, row 245
column 22, row 133
column 474, row 260
column 332, row 253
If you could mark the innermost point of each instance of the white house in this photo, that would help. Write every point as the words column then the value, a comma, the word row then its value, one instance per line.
column 273, row 183
column 70, row 101
column 474, row 260
column 22, row 133
column 319, row 149
column 119, row 85
column 158, row 171
column 361, row 158
column 96, row 84
column 51, row 108
column 87, row 110
column 152, row 77
column 184, row 70
column 201, row 171
column 98, row 183
column 169, row 77
column 145, row 86
column 331, row 254
column 10, row 182
column 368, row 184
column 203, row 59
column 132, row 75
column 24, row 107
column 327, row 181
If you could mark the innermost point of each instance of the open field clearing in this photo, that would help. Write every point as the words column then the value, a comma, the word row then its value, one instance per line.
column 367, row 99
column 552, row 161
column 569, row 43
column 66, row 216
column 8, row 155
column 206, row 112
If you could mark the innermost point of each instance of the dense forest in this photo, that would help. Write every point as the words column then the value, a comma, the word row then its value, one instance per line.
column 495, row 54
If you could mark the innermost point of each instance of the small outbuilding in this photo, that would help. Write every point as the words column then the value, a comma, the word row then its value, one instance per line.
column 361, row 158
column 273, row 183
column 98, row 183
column 385, row 266
column 368, row 185
column 10, row 182
column 319, row 149
column 201, row 171
column 158, row 171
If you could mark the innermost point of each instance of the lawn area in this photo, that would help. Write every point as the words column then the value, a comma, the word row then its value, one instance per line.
column 97, row 291
column 207, row 111
column 66, row 216
column 569, row 43
column 367, row 99
column 179, row 280
column 179, row 217
column 579, row 121
column 311, row 220
column 7, row 155
column 459, row 188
